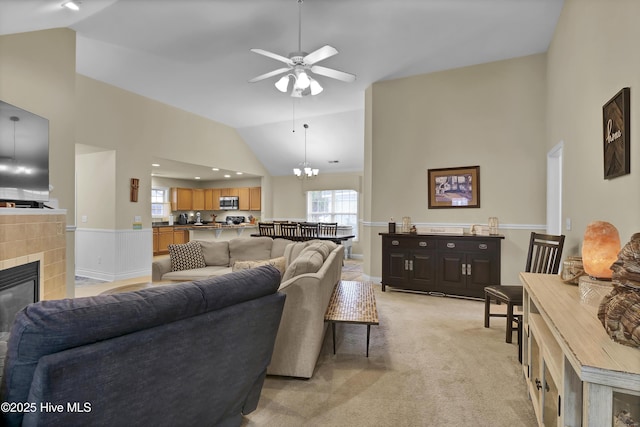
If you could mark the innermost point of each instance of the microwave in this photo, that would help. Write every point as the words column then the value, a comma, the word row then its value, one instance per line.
column 229, row 203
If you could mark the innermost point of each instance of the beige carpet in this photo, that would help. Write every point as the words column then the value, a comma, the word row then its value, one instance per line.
column 431, row 363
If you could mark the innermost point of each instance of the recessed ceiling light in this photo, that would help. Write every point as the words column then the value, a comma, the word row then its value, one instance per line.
column 73, row 5
column 227, row 176
column 155, row 164
column 197, row 177
column 215, row 169
column 238, row 173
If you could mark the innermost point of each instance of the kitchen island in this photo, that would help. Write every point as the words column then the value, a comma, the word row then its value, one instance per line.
column 165, row 234
column 221, row 232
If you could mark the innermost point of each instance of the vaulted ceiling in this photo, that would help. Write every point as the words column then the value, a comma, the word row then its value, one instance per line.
column 195, row 55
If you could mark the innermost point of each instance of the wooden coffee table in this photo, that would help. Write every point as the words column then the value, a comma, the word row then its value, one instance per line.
column 352, row 302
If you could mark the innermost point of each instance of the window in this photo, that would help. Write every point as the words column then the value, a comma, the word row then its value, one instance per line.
column 339, row 206
column 160, row 207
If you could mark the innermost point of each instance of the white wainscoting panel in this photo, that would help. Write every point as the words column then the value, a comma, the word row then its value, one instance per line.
column 113, row 254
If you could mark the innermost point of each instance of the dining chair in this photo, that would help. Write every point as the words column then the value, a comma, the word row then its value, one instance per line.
column 545, row 252
column 327, row 228
column 278, row 229
column 289, row 230
column 266, row 229
column 308, row 230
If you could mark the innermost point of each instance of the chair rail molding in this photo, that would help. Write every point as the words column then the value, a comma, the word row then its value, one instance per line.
column 464, row 225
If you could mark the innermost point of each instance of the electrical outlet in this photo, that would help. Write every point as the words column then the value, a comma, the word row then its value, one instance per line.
column 84, row 218
column 568, row 224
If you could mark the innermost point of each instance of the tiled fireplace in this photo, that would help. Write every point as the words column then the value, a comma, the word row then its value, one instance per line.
column 28, row 235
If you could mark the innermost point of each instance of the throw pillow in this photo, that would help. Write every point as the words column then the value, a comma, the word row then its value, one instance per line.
column 186, row 256
column 278, row 263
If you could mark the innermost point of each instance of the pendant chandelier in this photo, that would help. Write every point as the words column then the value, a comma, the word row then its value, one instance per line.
column 305, row 171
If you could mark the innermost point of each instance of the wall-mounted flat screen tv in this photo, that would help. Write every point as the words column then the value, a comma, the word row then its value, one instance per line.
column 24, row 155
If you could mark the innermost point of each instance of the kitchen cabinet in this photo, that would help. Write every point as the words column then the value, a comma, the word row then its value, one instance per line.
column 180, row 236
column 243, row 198
column 197, row 199
column 255, row 198
column 215, row 198
column 208, row 199
column 575, row 373
column 230, row 192
column 181, row 199
column 165, row 236
column 456, row 265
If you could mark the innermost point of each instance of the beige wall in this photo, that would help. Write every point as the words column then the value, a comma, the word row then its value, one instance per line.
column 96, row 190
column 37, row 73
column 138, row 128
column 593, row 55
column 491, row 115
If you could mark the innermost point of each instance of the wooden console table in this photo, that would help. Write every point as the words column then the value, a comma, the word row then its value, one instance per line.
column 446, row 264
column 352, row 302
column 576, row 374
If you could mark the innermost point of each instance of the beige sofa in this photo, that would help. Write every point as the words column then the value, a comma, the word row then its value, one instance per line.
column 311, row 271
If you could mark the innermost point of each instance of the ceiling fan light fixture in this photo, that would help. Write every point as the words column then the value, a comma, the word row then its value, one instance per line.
column 283, row 83
column 302, row 80
column 315, row 87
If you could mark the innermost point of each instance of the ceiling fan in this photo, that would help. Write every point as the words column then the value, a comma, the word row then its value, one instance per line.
column 300, row 64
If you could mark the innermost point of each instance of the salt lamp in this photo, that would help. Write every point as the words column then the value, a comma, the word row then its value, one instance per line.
column 600, row 249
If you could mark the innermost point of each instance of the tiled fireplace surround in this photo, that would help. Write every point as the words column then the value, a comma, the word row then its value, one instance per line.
column 28, row 235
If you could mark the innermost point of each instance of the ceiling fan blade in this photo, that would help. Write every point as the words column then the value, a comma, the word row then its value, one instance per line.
column 269, row 74
column 318, row 55
column 334, row 74
column 273, row 56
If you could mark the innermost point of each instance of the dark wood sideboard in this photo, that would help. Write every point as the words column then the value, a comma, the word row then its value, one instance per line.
column 450, row 264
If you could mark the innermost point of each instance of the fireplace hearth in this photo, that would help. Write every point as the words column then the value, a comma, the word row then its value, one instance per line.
column 19, row 286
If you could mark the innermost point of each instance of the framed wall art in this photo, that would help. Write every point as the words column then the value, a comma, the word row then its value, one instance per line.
column 454, row 187
column 616, row 118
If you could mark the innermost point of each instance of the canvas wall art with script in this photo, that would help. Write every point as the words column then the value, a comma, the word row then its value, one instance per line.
column 616, row 118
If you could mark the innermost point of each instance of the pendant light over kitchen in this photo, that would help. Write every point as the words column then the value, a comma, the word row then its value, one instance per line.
column 305, row 171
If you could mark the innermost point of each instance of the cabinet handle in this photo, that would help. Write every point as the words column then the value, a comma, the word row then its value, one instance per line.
column 451, row 245
column 406, row 264
column 546, row 386
column 468, row 269
column 411, row 265
column 395, row 242
column 464, row 269
column 423, row 244
column 538, row 384
column 482, row 246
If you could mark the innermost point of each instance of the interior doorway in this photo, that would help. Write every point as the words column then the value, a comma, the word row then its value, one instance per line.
column 554, row 189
